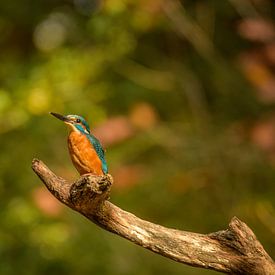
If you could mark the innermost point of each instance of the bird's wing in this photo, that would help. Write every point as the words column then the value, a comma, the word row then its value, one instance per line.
column 100, row 152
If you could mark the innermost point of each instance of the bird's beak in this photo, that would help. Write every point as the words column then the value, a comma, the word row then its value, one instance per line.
column 61, row 117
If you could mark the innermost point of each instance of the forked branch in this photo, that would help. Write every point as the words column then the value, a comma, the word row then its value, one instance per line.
column 235, row 250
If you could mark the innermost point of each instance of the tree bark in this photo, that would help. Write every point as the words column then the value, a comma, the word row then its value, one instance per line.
column 235, row 250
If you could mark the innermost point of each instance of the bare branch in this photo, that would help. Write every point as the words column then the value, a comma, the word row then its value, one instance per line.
column 235, row 250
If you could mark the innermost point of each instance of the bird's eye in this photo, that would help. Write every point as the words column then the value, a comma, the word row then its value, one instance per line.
column 78, row 120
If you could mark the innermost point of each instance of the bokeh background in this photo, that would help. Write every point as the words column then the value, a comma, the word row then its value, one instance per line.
column 181, row 94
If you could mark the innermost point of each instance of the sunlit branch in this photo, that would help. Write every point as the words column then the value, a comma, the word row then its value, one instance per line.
column 234, row 250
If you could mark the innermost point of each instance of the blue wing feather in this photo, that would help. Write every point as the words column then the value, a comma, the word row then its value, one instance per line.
column 100, row 152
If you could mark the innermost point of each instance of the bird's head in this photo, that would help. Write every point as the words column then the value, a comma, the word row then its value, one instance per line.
column 75, row 122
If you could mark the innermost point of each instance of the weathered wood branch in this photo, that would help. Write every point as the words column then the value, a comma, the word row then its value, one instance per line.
column 235, row 250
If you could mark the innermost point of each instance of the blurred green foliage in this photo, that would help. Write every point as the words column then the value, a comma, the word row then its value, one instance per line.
column 182, row 94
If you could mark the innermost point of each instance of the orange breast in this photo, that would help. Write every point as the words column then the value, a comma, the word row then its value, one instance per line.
column 83, row 155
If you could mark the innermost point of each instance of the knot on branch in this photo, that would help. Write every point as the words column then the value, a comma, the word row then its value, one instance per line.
column 86, row 194
column 240, row 240
column 89, row 191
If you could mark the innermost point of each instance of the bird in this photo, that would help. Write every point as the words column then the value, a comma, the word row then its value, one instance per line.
column 85, row 150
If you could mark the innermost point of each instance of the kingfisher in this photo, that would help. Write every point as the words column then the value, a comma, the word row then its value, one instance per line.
column 85, row 149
